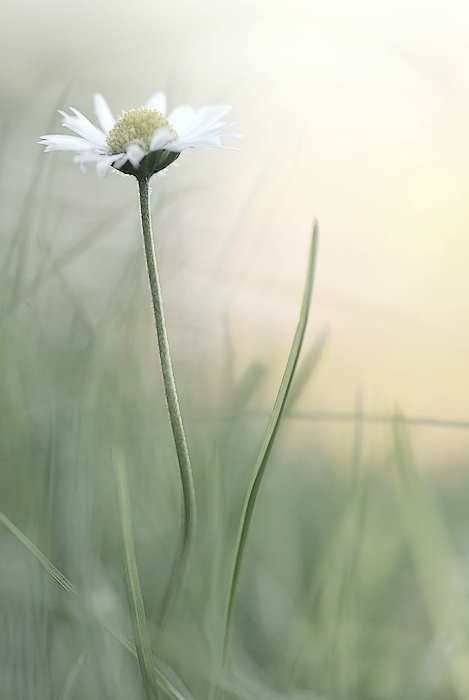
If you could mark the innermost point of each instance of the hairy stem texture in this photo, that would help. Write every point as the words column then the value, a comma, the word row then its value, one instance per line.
column 180, row 442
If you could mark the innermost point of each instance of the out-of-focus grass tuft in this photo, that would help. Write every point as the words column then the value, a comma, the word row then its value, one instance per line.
column 355, row 584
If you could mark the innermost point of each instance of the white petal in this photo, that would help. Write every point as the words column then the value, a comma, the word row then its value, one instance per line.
column 103, row 162
column 208, row 132
column 83, row 158
column 83, row 127
column 135, row 154
column 200, row 143
column 103, row 113
column 103, row 165
column 89, row 157
column 162, row 173
column 121, row 159
column 203, row 130
column 157, row 101
column 180, row 117
column 160, row 138
column 204, row 119
column 64, row 142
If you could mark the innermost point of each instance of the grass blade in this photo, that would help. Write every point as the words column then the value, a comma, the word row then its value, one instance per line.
column 306, row 370
column 161, row 680
column 266, row 447
column 42, row 559
column 134, row 592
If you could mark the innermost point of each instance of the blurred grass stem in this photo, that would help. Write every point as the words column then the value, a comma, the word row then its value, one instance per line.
column 161, row 679
column 180, row 442
column 137, row 608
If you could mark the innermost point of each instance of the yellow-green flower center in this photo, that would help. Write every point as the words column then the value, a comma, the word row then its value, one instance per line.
column 136, row 125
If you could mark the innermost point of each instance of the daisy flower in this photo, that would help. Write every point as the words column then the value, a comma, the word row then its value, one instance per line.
column 140, row 142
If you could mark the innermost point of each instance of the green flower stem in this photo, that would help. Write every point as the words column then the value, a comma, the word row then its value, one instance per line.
column 187, row 481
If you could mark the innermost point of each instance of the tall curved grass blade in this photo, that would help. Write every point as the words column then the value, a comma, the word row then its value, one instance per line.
column 266, row 447
column 164, row 683
column 306, row 369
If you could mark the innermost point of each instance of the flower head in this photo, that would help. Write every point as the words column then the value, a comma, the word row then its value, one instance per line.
column 140, row 142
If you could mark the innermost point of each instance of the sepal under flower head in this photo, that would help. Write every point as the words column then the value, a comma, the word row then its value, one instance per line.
column 142, row 141
column 155, row 163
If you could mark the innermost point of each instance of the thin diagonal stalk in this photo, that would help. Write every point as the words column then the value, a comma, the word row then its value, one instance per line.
column 134, row 592
column 266, row 447
column 180, row 442
column 163, row 682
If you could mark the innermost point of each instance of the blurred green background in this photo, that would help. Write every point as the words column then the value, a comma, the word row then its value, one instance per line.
column 356, row 580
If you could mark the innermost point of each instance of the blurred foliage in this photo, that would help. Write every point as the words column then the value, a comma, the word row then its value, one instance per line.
column 355, row 584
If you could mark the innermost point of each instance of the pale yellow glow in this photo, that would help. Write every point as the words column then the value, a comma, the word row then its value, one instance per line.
column 356, row 113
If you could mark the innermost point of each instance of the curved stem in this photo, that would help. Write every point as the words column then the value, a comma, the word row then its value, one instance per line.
column 185, row 470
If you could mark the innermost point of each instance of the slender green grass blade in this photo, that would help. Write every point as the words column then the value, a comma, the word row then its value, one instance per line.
column 137, row 608
column 160, row 668
column 305, row 371
column 266, row 447
column 43, row 560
